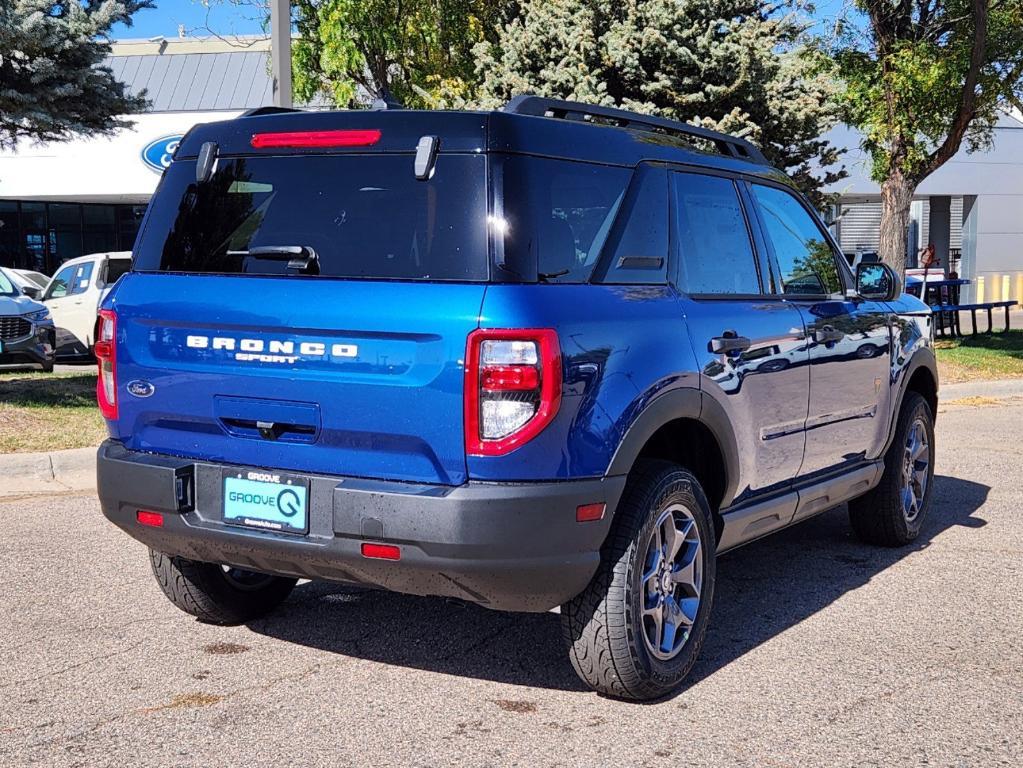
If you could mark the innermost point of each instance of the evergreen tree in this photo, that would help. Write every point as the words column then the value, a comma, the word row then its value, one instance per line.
column 51, row 83
column 738, row 66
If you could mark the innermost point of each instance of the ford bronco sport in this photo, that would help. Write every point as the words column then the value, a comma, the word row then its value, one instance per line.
column 554, row 355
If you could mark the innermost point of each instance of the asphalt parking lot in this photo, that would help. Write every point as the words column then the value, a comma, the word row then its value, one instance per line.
column 822, row 652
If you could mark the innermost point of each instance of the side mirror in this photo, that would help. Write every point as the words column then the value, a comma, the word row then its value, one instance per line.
column 32, row 293
column 877, row 282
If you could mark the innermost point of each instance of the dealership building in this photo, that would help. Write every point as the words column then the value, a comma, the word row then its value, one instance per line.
column 58, row 201
column 62, row 200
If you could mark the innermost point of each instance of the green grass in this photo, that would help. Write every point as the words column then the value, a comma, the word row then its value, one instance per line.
column 982, row 357
column 48, row 411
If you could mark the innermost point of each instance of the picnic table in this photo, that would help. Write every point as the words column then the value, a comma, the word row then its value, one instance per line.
column 943, row 298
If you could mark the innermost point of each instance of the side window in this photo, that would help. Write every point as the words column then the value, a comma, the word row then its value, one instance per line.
column 115, row 269
column 61, row 283
column 715, row 254
column 558, row 214
column 83, row 279
column 802, row 255
column 637, row 246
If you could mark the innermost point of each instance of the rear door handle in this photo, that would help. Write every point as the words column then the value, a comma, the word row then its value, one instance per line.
column 827, row 335
column 728, row 342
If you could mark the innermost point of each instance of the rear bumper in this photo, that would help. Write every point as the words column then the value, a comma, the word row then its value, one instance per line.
column 513, row 547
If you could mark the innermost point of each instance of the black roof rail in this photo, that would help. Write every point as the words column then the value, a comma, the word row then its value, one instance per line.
column 539, row 106
column 256, row 112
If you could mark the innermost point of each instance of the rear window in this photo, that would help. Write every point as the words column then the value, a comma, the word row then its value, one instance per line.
column 365, row 216
column 116, row 268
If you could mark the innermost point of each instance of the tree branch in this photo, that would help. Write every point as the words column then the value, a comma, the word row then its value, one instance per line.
column 968, row 101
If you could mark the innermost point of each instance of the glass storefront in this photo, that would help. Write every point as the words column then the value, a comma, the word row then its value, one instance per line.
column 42, row 236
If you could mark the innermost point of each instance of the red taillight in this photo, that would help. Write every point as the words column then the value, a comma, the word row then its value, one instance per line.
column 381, row 551
column 105, row 350
column 512, row 387
column 295, row 139
column 152, row 519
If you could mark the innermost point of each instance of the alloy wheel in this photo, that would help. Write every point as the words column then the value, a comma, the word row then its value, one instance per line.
column 915, row 470
column 672, row 580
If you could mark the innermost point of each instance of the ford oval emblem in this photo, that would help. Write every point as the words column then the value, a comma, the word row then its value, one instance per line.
column 157, row 154
column 140, row 388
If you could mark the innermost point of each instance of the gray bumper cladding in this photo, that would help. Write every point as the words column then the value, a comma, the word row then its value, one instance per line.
column 514, row 546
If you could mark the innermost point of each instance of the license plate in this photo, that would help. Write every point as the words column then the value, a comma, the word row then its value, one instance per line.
column 270, row 501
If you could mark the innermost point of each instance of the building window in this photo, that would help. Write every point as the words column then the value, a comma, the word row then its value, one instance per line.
column 42, row 236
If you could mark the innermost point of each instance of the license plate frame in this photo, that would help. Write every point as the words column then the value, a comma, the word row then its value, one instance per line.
column 265, row 500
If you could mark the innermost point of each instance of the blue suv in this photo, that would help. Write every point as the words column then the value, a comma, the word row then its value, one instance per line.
column 554, row 355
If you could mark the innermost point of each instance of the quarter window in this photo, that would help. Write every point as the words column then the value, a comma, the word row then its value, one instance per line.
column 715, row 252
column 803, row 257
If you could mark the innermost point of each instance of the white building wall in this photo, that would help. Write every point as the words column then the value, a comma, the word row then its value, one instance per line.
column 106, row 169
column 995, row 178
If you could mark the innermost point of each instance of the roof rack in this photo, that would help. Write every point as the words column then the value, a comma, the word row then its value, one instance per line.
column 257, row 111
column 539, row 106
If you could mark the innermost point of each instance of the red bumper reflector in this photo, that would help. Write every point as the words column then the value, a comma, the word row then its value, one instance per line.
column 381, row 551
column 589, row 513
column 152, row 519
column 351, row 138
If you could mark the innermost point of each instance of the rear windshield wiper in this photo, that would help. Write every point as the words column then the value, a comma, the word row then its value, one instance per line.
column 299, row 257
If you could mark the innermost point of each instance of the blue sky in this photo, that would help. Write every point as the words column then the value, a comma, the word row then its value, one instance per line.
column 225, row 18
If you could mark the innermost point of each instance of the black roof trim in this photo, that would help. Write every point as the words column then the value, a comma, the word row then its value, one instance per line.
column 539, row 106
column 269, row 111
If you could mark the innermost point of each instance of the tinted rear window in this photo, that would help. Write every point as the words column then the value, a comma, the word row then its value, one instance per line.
column 365, row 216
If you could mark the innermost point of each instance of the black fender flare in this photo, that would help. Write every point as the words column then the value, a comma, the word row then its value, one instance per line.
column 684, row 403
column 922, row 358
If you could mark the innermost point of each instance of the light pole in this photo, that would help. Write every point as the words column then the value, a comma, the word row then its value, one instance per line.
column 280, row 51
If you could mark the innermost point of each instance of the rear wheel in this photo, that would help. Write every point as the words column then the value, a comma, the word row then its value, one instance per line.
column 892, row 514
column 636, row 630
column 218, row 594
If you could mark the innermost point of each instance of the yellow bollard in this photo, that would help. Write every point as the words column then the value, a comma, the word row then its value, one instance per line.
column 1005, row 288
column 1019, row 286
column 996, row 284
column 980, row 289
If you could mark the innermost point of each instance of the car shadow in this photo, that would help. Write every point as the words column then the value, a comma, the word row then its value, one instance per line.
column 762, row 589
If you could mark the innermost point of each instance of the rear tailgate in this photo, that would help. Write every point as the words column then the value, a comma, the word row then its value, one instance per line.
column 360, row 378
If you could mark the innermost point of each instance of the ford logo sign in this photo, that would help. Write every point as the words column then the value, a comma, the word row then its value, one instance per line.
column 140, row 388
column 157, row 154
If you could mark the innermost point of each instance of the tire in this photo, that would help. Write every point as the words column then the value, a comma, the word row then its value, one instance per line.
column 885, row 516
column 216, row 596
column 605, row 628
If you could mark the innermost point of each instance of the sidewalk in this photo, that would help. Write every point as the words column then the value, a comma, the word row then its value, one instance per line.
column 51, row 472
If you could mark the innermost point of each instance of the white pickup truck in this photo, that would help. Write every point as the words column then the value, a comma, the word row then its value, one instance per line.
column 74, row 295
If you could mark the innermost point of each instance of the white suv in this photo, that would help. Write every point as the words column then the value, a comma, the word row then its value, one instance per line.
column 74, row 294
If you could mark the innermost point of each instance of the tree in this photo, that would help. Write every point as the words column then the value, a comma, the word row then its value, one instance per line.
column 51, row 83
column 923, row 78
column 739, row 66
column 418, row 51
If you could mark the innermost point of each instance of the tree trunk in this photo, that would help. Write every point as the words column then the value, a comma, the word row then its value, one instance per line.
column 896, row 197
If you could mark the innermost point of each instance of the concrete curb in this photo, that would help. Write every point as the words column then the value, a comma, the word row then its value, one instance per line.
column 995, row 388
column 53, row 472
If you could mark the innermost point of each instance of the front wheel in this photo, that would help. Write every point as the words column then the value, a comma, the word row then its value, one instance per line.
column 636, row 630
column 892, row 514
column 218, row 594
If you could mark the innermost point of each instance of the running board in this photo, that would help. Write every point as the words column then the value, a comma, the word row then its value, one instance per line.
column 751, row 521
